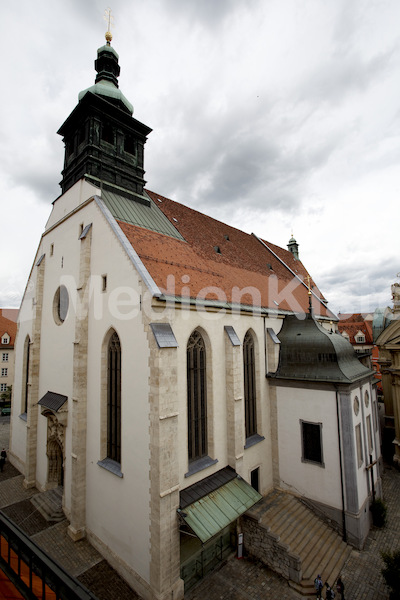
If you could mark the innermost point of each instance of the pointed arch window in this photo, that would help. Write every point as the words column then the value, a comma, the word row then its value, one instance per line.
column 197, row 397
column 250, row 405
column 114, row 398
column 25, row 388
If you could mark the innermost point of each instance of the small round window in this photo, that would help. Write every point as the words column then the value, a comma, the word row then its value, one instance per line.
column 356, row 405
column 60, row 305
column 366, row 399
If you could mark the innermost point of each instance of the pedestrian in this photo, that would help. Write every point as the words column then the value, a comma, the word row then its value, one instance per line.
column 330, row 594
column 3, row 456
column 340, row 588
column 318, row 585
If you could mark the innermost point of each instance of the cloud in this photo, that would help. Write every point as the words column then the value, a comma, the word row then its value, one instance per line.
column 209, row 13
column 356, row 287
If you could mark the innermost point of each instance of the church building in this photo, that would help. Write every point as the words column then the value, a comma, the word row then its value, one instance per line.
column 172, row 370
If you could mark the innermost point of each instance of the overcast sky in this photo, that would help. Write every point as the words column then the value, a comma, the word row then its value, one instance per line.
column 275, row 116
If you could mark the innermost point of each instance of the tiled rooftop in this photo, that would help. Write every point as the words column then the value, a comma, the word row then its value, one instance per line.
column 214, row 261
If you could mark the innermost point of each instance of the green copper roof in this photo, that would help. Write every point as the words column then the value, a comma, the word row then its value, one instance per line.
column 107, row 90
column 148, row 215
column 106, row 83
column 209, row 515
column 310, row 352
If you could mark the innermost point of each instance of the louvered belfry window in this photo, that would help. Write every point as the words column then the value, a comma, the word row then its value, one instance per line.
column 197, row 397
column 250, row 412
column 114, row 399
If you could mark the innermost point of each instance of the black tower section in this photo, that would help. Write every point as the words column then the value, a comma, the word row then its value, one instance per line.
column 103, row 142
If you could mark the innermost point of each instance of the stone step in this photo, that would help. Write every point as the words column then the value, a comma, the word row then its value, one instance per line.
column 279, row 513
column 49, row 504
column 299, row 531
column 295, row 526
column 317, row 551
column 310, row 545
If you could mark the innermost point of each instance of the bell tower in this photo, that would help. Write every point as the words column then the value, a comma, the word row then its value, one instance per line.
column 104, row 143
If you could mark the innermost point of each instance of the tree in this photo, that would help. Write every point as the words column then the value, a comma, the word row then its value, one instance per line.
column 391, row 573
column 6, row 396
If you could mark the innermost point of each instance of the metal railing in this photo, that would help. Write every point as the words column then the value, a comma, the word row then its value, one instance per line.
column 35, row 575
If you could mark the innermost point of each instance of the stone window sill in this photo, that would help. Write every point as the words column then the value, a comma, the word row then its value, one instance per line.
column 253, row 440
column 111, row 465
column 200, row 464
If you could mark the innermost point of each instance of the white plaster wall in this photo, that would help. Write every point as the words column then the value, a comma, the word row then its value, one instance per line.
column 66, row 203
column 18, row 425
column 57, row 341
column 363, row 476
column 118, row 508
column 212, row 327
column 321, row 484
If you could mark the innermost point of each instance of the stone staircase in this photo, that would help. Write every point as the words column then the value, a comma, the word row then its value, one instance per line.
column 288, row 537
column 49, row 504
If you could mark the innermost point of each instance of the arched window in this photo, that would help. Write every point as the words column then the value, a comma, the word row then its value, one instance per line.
column 25, row 385
column 197, row 397
column 114, row 399
column 250, row 408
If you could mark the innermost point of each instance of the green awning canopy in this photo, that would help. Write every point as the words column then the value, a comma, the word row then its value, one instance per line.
column 215, row 511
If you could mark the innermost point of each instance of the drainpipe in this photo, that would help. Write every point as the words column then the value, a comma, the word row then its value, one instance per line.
column 341, row 468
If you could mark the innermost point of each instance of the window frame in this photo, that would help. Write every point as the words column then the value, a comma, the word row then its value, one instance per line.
column 249, row 385
column 4, row 371
column 306, row 451
column 359, row 445
column 114, row 404
column 5, row 357
column 25, row 370
column 369, row 434
column 196, row 380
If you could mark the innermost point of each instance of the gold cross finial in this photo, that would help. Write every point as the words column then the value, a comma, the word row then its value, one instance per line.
column 309, row 285
column 109, row 19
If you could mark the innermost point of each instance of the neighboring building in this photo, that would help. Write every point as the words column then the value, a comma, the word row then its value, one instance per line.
column 8, row 331
column 387, row 335
column 171, row 369
column 357, row 328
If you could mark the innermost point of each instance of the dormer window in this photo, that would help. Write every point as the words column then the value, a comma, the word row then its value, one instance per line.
column 360, row 338
column 5, row 339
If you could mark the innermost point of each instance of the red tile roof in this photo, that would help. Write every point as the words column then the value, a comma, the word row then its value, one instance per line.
column 7, row 326
column 352, row 324
column 243, row 270
column 10, row 313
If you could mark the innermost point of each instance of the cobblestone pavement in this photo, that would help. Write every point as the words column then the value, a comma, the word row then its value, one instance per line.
column 244, row 580
column 234, row 580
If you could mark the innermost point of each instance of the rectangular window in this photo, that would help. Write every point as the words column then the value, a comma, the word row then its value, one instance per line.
column 369, row 433
column 104, row 283
column 360, row 456
column 3, row 387
column 5, row 340
column 4, row 372
column 51, row 249
column 311, row 437
column 5, row 356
